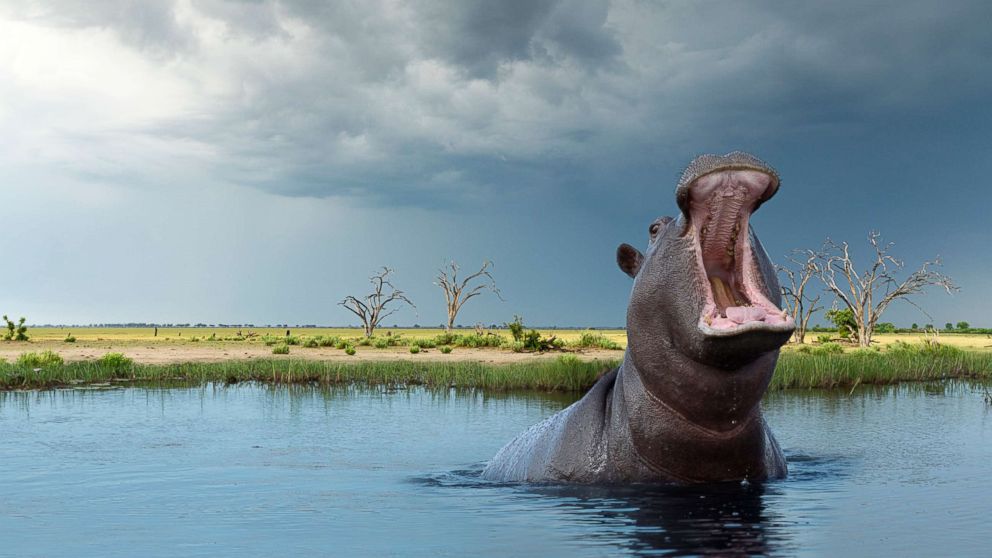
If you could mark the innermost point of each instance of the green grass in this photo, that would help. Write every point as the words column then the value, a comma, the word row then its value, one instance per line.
column 796, row 370
column 116, row 361
column 566, row 373
column 46, row 359
column 900, row 362
column 593, row 340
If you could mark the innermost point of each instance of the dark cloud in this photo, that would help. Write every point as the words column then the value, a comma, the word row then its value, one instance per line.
column 479, row 36
column 550, row 123
column 398, row 102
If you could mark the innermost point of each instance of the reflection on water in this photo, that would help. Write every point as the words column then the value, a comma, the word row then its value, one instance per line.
column 723, row 518
column 252, row 470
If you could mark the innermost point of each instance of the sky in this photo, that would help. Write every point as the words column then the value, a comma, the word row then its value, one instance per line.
column 255, row 161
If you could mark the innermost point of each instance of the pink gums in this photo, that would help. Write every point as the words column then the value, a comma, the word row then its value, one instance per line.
column 720, row 205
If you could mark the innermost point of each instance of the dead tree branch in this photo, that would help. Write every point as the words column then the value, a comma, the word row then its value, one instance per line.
column 868, row 294
column 457, row 293
column 798, row 303
column 371, row 309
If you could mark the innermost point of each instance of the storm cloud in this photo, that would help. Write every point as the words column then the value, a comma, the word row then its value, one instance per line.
column 446, row 102
column 587, row 108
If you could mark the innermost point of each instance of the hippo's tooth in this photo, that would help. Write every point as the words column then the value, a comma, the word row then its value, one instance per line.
column 722, row 295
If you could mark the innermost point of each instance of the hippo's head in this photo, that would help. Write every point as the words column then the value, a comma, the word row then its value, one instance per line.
column 705, row 289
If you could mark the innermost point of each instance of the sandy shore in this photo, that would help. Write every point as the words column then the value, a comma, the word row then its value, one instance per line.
column 175, row 353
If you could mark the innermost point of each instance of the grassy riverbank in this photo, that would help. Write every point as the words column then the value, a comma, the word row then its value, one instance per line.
column 566, row 373
column 900, row 362
column 827, row 367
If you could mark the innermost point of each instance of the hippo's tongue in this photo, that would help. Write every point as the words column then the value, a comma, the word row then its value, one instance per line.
column 742, row 314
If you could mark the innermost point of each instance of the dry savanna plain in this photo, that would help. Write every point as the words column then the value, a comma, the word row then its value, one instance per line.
column 183, row 345
column 187, row 345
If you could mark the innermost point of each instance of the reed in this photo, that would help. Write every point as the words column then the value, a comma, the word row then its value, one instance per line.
column 898, row 363
column 795, row 370
column 566, row 373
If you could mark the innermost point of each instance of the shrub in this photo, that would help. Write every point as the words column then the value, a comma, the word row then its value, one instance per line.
column 311, row 343
column 471, row 341
column 414, row 349
column 270, row 340
column 589, row 339
column 446, row 349
column 115, row 360
column 823, row 338
column 70, row 338
column 424, row 343
column 16, row 332
column 394, row 340
column 341, row 344
column 330, row 341
column 349, row 350
column 280, row 350
column 844, row 321
column 516, row 328
column 804, row 349
column 292, row 340
column 532, row 339
column 517, row 346
column 46, row 359
column 364, row 342
column 380, row 343
column 446, row 339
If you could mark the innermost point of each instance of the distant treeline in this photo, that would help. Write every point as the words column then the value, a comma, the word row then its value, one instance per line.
column 886, row 327
column 137, row 325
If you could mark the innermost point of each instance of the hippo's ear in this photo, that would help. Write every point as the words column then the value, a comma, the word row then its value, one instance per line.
column 629, row 259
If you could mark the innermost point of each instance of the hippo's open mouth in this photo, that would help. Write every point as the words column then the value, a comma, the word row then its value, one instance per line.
column 720, row 204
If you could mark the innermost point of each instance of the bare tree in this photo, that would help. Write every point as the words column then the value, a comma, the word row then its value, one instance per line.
column 802, row 307
column 372, row 308
column 868, row 294
column 457, row 293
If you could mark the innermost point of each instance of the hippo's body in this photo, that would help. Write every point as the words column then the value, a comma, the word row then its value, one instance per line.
column 704, row 330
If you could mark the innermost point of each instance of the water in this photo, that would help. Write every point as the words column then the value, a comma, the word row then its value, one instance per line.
column 274, row 471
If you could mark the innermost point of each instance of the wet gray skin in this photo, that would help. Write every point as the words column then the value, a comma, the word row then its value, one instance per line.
column 704, row 328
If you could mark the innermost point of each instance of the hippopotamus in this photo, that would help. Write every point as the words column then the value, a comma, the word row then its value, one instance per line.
column 704, row 329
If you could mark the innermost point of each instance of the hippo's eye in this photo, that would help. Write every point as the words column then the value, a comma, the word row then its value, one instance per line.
column 653, row 229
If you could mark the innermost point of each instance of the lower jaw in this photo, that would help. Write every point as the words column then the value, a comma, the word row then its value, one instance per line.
column 735, row 317
column 735, row 350
column 783, row 326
